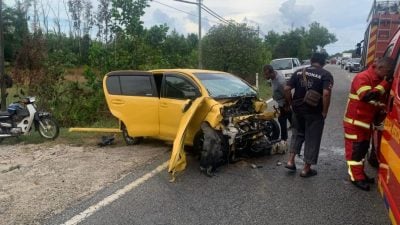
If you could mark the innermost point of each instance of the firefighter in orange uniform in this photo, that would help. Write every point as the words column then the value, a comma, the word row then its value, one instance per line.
column 364, row 104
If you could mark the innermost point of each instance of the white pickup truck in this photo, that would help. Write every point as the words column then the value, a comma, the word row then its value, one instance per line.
column 287, row 66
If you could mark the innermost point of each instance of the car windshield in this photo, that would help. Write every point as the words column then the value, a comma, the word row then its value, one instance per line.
column 356, row 60
column 225, row 85
column 281, row 64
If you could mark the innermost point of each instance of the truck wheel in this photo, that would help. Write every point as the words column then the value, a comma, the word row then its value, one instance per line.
column 128, row 139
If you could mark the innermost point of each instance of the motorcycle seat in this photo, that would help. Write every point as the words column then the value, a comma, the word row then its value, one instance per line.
column 5, row 113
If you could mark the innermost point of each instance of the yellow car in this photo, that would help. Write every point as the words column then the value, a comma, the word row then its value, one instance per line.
column 228, row 120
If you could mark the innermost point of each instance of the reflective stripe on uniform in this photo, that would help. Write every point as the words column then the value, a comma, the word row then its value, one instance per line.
column 350, row 136
column 375, row 103
column 362, row 89
column 354, row 97
column 353, row 163
column 356, row 122
column 380, row 88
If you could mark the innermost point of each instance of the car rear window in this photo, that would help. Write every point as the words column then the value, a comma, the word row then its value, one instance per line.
column 130, row 85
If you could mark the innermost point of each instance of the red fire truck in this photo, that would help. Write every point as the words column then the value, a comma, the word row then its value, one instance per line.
column 383, row 21
column 387, row 142
column 382, row 38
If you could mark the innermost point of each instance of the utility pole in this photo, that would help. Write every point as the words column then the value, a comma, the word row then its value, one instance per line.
column 199, row 6
column 200, row 55
column 2, row 74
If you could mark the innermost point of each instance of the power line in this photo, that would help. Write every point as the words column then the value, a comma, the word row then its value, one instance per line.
column 210, row 12
column 174, row 8
column 191, row 14
column 214, row 14
column 231, row 22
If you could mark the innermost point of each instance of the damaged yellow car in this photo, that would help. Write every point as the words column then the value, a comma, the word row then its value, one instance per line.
column 217, row 113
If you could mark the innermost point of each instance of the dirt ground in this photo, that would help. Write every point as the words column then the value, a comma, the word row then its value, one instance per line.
column 38, row 180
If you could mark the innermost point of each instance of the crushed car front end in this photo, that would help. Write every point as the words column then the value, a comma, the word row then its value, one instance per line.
column 236, row 123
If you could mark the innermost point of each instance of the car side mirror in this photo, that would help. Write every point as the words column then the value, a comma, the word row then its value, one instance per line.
column 187, row 105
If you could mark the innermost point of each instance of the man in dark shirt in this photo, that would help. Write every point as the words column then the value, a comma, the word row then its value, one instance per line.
column 308, row 121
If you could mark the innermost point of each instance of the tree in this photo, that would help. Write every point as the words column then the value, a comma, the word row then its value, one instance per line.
column 15, row 29
column 291, row 44
column 271, row 40
column 319, row 36
column 2, row 74
column 103, row 20
column 233, row 48
column 126, row 15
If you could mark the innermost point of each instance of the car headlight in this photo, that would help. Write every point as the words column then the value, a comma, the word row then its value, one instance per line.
column 288, row 74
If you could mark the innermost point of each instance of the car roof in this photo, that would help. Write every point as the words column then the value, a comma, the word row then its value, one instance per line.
column 282, row 58
column 150, row 72
column 185, row 71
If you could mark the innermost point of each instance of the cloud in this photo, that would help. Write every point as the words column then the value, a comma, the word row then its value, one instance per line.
column 296, row 15
column 161, row 17
column 193, row 17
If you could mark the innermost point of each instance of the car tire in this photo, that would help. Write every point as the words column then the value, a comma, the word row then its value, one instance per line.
column 128, row 139
column 350, row 70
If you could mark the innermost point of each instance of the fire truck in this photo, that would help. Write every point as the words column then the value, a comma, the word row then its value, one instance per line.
column 382, row 38
column 387, row 142
column 383, row 21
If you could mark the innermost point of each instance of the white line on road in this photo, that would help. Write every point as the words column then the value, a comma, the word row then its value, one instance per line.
column 92, row 209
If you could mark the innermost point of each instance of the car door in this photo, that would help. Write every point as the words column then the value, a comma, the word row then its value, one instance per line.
column 176, row 89
column 132, row 97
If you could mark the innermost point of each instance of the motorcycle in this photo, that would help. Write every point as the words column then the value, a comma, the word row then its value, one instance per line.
column 22, row 116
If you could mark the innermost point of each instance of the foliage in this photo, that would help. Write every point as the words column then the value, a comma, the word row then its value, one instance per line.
column 319, row 36
column 300, row 42
column 40, row 59
column 233, row 48
column 15, row 29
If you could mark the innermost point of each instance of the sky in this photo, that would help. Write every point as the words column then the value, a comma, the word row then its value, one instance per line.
column 347, row 19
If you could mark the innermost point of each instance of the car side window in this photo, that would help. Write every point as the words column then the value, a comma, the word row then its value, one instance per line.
column 135, row 85
column 112, row 84
column 297, row 62
column 294, row 62
column 179, row 88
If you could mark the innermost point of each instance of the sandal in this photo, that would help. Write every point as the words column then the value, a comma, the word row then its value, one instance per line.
column 309, row 173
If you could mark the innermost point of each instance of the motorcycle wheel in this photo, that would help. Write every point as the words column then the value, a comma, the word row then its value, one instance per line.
column 48, row 128
column 128, row 139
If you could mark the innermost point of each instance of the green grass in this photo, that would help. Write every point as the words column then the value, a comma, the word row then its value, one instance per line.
column 265, row 90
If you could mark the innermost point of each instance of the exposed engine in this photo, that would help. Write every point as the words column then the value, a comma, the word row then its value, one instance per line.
column 243, row 133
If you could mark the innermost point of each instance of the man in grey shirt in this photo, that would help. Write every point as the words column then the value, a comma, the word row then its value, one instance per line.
column 278, row 83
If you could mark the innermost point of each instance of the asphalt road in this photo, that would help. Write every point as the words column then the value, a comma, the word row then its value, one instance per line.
column 240, row 194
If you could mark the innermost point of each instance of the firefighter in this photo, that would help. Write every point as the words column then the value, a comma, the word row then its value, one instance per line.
column 367, row 92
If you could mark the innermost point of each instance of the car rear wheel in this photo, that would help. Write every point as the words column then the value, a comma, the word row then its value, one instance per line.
column 128, row 139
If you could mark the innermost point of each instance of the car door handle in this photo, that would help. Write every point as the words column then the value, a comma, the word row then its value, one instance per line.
column 117, row 101
column 164, row 105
